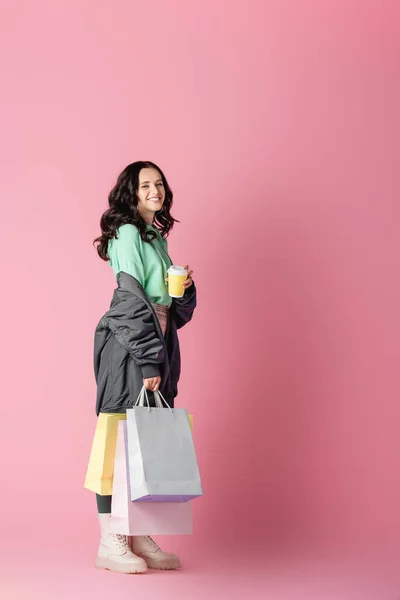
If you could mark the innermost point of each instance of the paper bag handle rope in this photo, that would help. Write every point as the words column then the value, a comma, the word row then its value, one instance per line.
column 158, row 397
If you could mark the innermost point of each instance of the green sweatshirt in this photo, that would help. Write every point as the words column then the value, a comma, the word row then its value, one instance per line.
column 148, row 263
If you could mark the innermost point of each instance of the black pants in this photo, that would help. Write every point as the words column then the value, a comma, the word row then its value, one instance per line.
column 103, row 504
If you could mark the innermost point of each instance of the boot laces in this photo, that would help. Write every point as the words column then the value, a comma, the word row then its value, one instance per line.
column 122, row 542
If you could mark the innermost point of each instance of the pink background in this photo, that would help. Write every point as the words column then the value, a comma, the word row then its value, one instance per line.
column 277, row 125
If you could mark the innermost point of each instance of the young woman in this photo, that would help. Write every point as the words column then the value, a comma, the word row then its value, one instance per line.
column 136, row 341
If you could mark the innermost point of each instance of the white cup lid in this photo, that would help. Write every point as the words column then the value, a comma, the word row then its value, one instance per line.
column 176, row 270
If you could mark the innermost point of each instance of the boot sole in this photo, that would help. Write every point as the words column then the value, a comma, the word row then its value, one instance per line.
column 163, row 567
column 109, row 565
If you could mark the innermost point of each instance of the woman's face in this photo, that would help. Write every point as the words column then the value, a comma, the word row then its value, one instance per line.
column 151, row 192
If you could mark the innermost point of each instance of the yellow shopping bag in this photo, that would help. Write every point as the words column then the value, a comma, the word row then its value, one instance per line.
column 100, row 473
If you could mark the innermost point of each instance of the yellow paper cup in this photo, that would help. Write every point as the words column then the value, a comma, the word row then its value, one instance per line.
column 176, row 278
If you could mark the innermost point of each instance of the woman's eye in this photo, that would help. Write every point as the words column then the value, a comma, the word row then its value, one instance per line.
column 160, row 185
column 144, row 186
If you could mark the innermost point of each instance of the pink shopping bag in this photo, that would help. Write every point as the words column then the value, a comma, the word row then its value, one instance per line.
column 137, row 518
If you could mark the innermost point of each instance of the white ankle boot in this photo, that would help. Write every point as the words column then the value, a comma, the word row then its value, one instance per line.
column 114, row 551
column 146, row 548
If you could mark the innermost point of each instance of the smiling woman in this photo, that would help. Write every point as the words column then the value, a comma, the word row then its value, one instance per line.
column 136, row 341
column 141, row 195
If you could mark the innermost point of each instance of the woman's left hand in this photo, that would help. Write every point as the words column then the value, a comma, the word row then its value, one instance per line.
column 189, row 280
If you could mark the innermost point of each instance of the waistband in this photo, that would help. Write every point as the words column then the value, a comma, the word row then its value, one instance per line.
column 162, row 314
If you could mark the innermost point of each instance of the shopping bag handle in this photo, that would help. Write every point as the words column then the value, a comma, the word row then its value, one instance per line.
column 140, row 398
column 158, row 397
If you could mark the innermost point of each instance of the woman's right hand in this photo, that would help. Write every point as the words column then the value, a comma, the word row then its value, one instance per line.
column 152, row 383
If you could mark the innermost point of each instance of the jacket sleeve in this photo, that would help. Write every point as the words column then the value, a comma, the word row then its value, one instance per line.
column 184, row 307
column 132, row 325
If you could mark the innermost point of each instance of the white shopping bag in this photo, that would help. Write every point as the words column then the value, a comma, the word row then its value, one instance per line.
column 162, row 459
column 143, row 518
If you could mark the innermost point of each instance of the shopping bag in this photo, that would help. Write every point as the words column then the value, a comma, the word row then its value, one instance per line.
column 99, row 476
column 161, row 456
column 143, row 518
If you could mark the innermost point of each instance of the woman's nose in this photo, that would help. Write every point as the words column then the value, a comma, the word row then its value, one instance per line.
column 153, row 189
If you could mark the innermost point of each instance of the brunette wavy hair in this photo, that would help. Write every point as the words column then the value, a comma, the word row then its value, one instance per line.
column 123, row 208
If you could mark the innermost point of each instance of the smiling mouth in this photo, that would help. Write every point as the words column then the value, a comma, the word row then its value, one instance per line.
column 154, row 199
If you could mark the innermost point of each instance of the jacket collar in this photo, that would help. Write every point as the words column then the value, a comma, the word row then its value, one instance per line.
column 130, row 284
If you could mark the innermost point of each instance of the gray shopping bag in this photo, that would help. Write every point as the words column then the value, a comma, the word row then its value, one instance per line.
column 161, row 456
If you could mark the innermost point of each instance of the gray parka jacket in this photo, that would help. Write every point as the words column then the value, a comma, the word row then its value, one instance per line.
column 129, row 346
